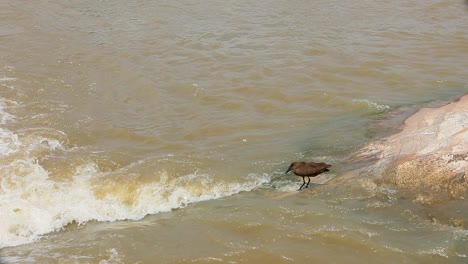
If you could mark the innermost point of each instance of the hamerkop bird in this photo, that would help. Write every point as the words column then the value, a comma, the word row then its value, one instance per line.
column 307, row 169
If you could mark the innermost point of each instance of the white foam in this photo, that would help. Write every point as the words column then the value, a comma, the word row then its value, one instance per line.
column 113, row 257
column 371, row 105
column 9, row 142
column 4, row 116
column 440, row 251
column 7, row 79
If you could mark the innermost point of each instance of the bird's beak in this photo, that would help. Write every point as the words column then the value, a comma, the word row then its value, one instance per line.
column 289, row 169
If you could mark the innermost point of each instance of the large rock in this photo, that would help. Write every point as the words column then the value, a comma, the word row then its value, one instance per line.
column 428, row 158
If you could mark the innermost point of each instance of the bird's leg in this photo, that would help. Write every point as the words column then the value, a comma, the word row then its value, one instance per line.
column 303, row 179
column 307, row 186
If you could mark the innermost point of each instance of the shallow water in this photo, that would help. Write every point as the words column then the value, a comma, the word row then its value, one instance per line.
column 159, row 132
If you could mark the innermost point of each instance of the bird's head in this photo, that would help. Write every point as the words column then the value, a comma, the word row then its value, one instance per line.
column 291, row 167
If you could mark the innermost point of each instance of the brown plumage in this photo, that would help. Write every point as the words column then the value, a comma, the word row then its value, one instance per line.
column 307, row 169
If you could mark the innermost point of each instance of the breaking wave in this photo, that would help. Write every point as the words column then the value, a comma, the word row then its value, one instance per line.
column 34, row 203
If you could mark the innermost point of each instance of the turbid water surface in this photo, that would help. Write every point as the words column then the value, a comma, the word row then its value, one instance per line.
column 159, row 131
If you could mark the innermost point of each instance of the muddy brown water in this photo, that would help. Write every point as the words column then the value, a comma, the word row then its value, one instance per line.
column 159, row 131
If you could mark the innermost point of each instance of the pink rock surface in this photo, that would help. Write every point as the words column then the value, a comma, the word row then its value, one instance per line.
column 429, row 156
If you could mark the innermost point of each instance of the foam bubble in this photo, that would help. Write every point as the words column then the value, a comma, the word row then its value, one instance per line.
column 371, row 105
column 7, row 79
column 9, row 142
column 4, row 116
column 440, row 251
column 113, row 257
